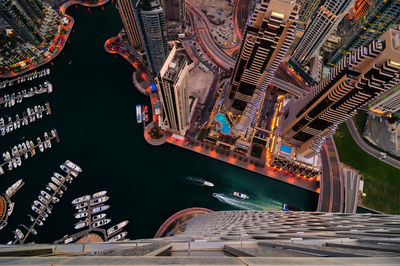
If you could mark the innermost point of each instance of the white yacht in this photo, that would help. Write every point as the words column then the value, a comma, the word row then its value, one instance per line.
column 100, row 223
column 81, row 199
column 116, row 227
column 73, row 166
column 97, row 201
column 118, row 237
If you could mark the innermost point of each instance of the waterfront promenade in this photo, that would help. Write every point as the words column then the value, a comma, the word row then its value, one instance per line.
column 247, row 163
column 67, row 27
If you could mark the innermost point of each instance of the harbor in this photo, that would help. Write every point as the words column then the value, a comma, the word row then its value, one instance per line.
column 43, row 206
column 13, row 159
column 27, row 77
column 9, row 100
column 31, row 115
column 89, row 209
column 146, row 184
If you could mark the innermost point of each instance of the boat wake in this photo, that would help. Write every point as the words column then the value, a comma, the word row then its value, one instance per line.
column 265, row 204
column 195, row 180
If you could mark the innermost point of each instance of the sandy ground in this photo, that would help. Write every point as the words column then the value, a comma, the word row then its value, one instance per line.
column 90, row 238
column 199, row 83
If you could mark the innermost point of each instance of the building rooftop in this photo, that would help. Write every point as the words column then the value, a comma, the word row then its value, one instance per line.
column 175, row 67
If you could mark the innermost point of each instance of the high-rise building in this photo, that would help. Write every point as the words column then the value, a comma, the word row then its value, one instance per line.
column 174, row 9
column 359, row 8
column 269, row 33
column 24, row 17
column 173, row 88
column 379, row 17
column 354, row 82
column 238, row 238
column 323, row 23
column 307, row 9
column 387, row 103
column 150, row 20
column 125, row 8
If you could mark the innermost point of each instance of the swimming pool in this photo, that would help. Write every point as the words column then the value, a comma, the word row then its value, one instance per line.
column 225, row 125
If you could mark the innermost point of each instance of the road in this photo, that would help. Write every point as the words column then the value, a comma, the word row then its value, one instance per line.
column 331, row 195
column 368, row 149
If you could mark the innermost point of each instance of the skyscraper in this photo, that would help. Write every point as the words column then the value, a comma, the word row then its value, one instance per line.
column 175, row 9
column 379, row 17
column 125, row 8
column 150, row 20
column 173, row 88
column 307, row 9
column 387, row 103
column 354, row 82
column 323, row 23
column 24, row 16
column 267, row 38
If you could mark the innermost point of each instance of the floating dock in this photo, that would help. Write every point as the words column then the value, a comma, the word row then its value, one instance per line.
column 26, row 77
column 18, row 153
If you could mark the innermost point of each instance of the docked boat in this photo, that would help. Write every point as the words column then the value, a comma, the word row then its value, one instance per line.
column 59, row 177
column 43, row 200
column 100, row 223
column 99, row 194
column 81, row 215
column 10, row 208
column 40, row 144
column 139, row 113
column 81, row 205
column 81, row 199
column 55, row 200
column 81, row 225
column 98, row 217
column 38, row 204
column 73, row 166
column 45, row 194
column 40, row 223
column 240, row 195
column 53, row 187
column 31, row 218
column 97, row 201
column 35, row 209
column 100, row 209
column 118, row 237
column 67, row 170
column 11, row 190
column 208, row 184
column 19, row 234
column 68, row 240
column 56, row 181
column 117, row 227
column 3, row 224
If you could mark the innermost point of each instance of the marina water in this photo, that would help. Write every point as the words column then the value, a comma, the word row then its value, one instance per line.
column 93, row 110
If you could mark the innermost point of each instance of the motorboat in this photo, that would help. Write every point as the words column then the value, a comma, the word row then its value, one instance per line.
column 39, row 204
column 59, row 177
column 100, row 209
column 19, row 234
column 10, row 208
column 68, row 240
column 31, row 218
column 97, row 201
column 118, row 237
column 139, row 113
column 81, row 205
column 208, row 184
column 116, row 227
column 45, row 194
column 43, row 200
column 11, row 190
column 18, row 160
column 81, row 199
column 40, row 223
column 53, row 187
column 73, row 166
column 240, row 195
column 68, row 171
column 98, row 217
column 100, row 223
column 56, row 181
column 39, row 141
column 99, row 194
column 81, row 225
column 81, row 215
column 35, row 209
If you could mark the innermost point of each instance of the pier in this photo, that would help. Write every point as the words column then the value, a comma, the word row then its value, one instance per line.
column 10, row 126
column 9, row 100
column 46, row 206
column 29, row 76
column 20, row 152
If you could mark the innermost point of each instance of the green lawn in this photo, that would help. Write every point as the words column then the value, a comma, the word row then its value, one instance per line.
column 359, row 120
column 381, row 181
